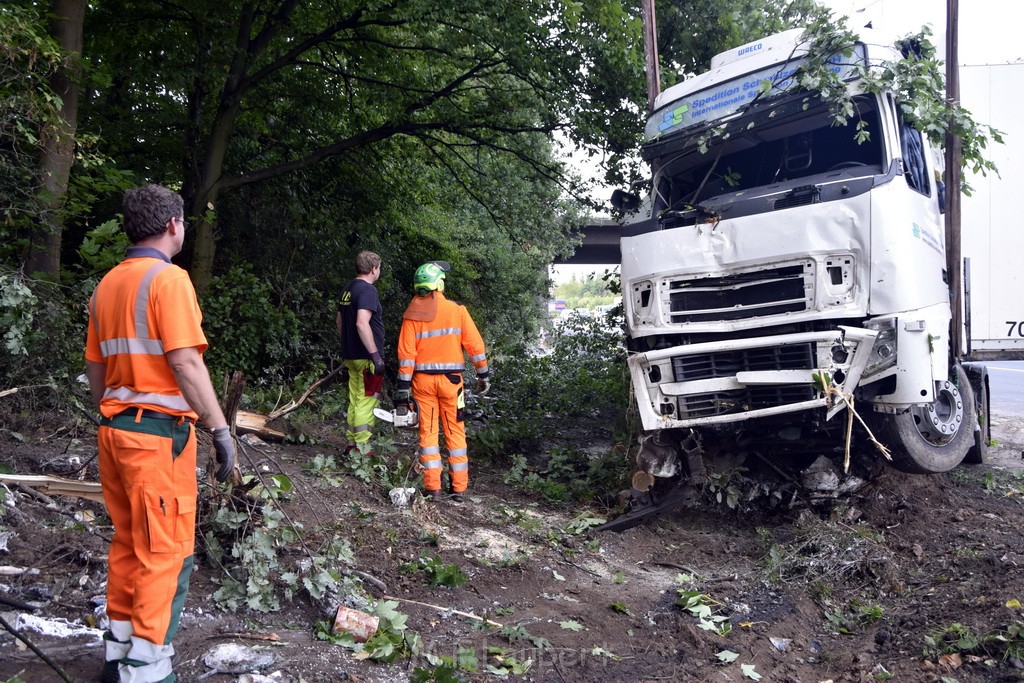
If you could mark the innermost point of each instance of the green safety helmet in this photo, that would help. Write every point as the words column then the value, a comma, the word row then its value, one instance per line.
column 430, row 277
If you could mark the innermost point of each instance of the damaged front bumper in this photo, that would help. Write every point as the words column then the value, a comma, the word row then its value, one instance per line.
column 736, row 380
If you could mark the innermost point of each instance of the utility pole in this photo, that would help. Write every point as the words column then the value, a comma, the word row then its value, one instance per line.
column 954, row 256
column 650, row 52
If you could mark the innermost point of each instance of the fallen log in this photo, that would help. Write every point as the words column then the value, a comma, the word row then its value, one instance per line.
column 254, row 423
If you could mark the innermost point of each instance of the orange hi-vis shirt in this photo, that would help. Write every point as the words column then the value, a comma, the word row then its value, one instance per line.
column 436, row 346
column 144, row 307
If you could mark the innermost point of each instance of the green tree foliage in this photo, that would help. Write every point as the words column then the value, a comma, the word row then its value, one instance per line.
column 28, row 58
column 248, row 92
column 691, row 32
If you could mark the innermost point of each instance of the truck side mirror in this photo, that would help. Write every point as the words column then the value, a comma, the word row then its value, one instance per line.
column 941, row 191
column 626, row 202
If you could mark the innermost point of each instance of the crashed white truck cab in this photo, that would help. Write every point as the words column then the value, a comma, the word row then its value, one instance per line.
column 781, row 250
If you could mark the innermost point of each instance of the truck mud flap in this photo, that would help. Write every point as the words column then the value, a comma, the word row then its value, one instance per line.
column 647, row 505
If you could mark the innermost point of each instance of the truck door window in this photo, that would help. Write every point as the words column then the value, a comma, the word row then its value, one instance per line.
column 914, row 167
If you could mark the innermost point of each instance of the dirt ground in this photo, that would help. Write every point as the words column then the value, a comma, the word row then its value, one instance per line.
column 848, row 591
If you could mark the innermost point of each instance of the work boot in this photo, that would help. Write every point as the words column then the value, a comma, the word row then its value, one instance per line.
column 110, row 674
column 432, row 494
column 459, row 497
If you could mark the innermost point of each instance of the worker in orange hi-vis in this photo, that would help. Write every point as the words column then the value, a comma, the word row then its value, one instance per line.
column 435, row 334
column 144, row 362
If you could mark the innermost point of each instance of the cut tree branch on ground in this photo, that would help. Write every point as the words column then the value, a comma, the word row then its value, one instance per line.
column 292, row 405
column 445, row 609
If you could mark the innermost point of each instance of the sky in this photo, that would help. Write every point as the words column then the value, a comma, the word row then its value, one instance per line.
column 989, row 33
column 989, row 30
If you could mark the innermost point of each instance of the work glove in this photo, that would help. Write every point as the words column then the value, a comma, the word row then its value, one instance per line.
column 378, row 363
column 483, row 384
column 402, row 395
column 224, row 446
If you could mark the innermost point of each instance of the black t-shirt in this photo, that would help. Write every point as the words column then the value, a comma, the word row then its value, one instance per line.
column 359, row 295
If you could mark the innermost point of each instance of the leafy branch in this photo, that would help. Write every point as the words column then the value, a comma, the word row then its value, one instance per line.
column 916, row 81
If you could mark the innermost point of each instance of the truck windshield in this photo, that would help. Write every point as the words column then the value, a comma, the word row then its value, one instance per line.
column 769, row 149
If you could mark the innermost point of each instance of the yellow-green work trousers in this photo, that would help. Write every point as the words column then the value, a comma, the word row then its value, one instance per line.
column 360, row 406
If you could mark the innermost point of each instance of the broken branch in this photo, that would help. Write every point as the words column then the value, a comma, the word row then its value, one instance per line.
column 292, row 405
column 446, row 609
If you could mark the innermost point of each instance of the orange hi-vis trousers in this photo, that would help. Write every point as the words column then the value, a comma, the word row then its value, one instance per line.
column 441, row 398
column 148, row 474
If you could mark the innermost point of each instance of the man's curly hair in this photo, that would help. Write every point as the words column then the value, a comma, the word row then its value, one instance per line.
column 147, row 209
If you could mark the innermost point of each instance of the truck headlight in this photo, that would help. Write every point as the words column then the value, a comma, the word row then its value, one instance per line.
column 883, row 353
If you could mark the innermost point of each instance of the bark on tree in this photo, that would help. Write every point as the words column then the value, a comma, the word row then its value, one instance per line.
column 59, row 141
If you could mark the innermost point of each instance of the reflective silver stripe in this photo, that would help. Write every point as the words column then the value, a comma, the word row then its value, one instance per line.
column 142, row 347
column 142, row 299
column 406, row 363
column 439, row 333
column 455, row 452
column 458, row 466
column 359, row 428
column 405, row 378
column 128, row 396
column 430, row 450
column 430, row 464
column 440, row 366
column 477, row 358
column 154, row 661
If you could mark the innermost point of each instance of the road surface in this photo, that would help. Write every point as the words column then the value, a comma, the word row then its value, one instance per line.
column 1006, row 385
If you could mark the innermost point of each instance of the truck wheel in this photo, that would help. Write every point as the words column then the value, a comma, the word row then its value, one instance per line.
column 934, row 438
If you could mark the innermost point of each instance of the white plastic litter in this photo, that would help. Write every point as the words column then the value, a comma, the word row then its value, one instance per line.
column 230, row 658
column 276, row 677
column 401, row 496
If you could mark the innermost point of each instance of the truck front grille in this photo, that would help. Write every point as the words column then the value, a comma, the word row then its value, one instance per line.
column 728, row 363
column 741, row 295
column 752, row 398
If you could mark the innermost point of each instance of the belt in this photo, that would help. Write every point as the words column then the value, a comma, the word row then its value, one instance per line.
column 152, row 415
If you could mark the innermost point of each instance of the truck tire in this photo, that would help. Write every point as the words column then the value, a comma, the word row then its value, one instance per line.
column 934, row 438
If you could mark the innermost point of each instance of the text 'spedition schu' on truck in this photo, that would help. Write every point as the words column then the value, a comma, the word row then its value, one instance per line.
column 774, row 254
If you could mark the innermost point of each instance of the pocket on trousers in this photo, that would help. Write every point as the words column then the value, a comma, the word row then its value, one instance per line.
column 160, row 519
column 185, row 521
column 454, row 377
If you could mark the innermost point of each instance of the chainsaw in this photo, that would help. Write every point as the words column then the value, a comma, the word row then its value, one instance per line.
column 402, row 416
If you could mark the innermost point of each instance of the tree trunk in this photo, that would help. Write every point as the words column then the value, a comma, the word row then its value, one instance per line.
column 59, row 141
column 203, row 190
column 205, row 246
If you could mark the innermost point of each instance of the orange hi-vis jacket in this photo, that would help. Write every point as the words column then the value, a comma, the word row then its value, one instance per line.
column 144, row 307
column 434, row 343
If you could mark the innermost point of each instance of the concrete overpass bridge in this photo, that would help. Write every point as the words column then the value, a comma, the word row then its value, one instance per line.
column 600, row 245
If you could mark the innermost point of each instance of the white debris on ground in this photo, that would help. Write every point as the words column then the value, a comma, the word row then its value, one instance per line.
column 231, row 658
column 57, row 628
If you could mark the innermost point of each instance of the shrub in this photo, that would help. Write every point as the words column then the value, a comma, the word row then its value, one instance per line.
column 247, row 331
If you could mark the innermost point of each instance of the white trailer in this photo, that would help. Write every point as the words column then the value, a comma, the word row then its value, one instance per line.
column 992, row 230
